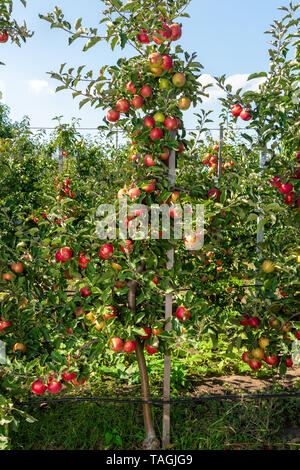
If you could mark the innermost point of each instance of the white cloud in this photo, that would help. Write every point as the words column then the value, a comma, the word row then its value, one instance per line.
column 39, row 87
column 2, row 91
column 237, row 81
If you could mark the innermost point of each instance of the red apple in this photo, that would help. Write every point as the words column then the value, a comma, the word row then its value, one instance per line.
column 137, row 101
column 128, row 246
column 129, row 346
column 17, row 268
column 183, row 313
column 286, row 188
column 143, row 37
column 83, row 261
column 175, row 31
column 149, row 121
column 146, row 91
column 214, row 194
column 109, row 312
column 167, row 62
column 38, row 388
column 170, row 123
column 178, row 80
column 246, row 357
column 147, row 332
column 85, row 292
column 54, row 386
column 155, row 60
column 151, row 350
column 75, row 381
column 64, row 254
column 254, row 364
column 149, row 160
column 113, row 115
column 149, row 188
column 123, row 106
column 254, row 322
column 156, row 133
column 116, row 344
column 130, row 87
column 3, row 36
column 271, row 360
column 275, row 182
column 246, row 114
column 236, row 110
column 289, row 362
column 68, row 376
column 134, row 193
column 106, row 251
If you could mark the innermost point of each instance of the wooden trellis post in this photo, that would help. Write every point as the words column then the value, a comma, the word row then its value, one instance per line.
column 60, row 161
column 168, row 316
column 221, row 141
column 260, row 234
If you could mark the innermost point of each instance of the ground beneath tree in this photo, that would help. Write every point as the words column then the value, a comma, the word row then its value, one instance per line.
column 245, row 383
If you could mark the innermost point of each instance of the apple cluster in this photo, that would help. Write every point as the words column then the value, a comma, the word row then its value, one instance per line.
column 291, row 198
column 238, row 111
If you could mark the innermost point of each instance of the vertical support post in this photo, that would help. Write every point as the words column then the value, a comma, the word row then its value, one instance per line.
column 260, row 234
column 168, row 316
column 60, row 161
column 78, row 160
column 117, row 138
column 221, row 141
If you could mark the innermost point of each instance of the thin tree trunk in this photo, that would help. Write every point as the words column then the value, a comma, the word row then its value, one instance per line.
column 151, row 442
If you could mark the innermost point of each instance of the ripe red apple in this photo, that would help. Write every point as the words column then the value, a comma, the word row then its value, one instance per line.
column 109, row 312
column 156, row 331
column 83, row 261
column 181, row 147
column 297, row 334
column 175, row 212
column 134, row 193
column 123, row 106
column 38, row 388
column 143, row 37
column 263, row 342
column 64, row 254
column 113, row 115
column 147, row 332
column 128, row 246
column 179, row 80
column 149, row 121
column 165, row 31
column 155, row 60
column 254, row 322
column 149, row 160
column 246, row 114
column 236, row 110
column 170, row 123
column 129, row 346
column 3, row 36
column 286, row 188
column 146, row 91
column 130, row 87
column 167, row 62
column 214, row 194
column 75, row 381
column 68, row 376
column 156, row 133
column 275, row 182
column 175, row 31
column 19, row 347
column 289, row 362
column 151, row 350
column 17, row 267
column 271, row 360
column 254, row 364
column 116, row 344
column 137, row 101
column 165, row 155
column 149, row 187
column 54, row 386
column 85, row 292
column 246, row 357
column 257, row 353
column 4, row 324
column 106, row 251
column 183, row 313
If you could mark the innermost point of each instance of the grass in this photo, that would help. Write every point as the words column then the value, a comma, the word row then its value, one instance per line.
column 232, row 425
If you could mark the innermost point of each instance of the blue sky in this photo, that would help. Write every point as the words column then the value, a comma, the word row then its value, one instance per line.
column 228, row 37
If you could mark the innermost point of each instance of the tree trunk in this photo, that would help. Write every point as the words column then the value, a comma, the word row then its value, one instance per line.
column 151, row 442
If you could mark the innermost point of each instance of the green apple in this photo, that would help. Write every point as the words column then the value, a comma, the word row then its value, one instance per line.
column 164, row 83
column 159, row 117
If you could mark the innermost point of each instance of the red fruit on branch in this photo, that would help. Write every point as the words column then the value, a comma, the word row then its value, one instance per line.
column 246, row 357
column 167, row 63
column 128, row 246
column 134, row 193
column 182, row 313
column 146, row 91
column 165, row 31
column 54, row 386
column 149, row 121
column 254, row 364
column 297, row 334
column 214, row 194
column 176, row 31
column 83, row 261
column 68, row 376
column 275, row 182
column 236, row 110
column 130, row 87
column 85, row 292
column 137, row 101
column 155, row 60
column 246, row 114
column 143, row 37
column 151, row 350
column 170, row 123
column 4, row 324
column 116, row 344
column 147, row 332
column 106, row 251
column 64, row 254
column 271, row 360
column 286, row 188
column 129, row 346
column 3, row 36
column 149, row 187
column 149, row 160
column 254, row 322
column 156, row 133
column 289, row 362
column 113, row 115
column 38, row 387
column 17, row 268
column 109, row 312
column 76, row 383
column 122, row 106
